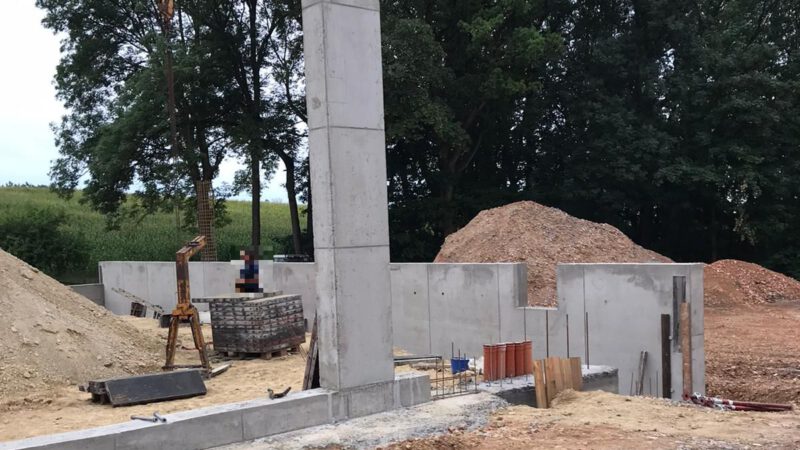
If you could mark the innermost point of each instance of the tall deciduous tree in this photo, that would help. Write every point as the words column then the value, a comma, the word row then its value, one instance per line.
column 259, row 41
column 111, row 79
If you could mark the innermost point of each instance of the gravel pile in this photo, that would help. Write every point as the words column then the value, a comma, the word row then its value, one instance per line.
column 542, row 237
column 731, row 282
column 50, row 336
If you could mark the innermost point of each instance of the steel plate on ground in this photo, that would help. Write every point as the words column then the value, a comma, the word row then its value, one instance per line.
column 156, row 387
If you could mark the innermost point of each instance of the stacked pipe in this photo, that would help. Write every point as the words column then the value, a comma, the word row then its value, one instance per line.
column 507, row 360
column 734, row 405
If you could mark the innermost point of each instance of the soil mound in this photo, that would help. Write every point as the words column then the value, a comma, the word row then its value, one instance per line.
column 50, row 336
column 542, row 237
column 730, row 282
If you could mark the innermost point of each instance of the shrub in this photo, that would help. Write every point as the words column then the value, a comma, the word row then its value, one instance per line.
column 39, row 237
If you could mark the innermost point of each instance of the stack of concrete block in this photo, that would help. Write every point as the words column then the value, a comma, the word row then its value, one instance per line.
column 261, row 325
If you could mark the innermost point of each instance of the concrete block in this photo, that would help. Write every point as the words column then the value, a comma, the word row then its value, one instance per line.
column 369, row 399
column 301, row 410
column 95, row 439
column 411, row 388
column 187, row 430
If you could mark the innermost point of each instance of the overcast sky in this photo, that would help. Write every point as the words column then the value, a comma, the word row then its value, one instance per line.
column 28, row 105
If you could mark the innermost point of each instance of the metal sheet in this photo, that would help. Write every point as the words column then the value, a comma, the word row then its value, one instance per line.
column 155, row 387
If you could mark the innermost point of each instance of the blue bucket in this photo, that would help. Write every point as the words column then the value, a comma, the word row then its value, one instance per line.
column 458, row 365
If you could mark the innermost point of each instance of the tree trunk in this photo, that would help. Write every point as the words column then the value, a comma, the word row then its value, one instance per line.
column 310, row 217
column 255, row 230
column 205, row 219
column 291, row 192
column 255, row 155
column 447, row 221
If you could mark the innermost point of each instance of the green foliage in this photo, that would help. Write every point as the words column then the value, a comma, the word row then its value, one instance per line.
column 152, row 238
column 676, row 121
column 41, row 237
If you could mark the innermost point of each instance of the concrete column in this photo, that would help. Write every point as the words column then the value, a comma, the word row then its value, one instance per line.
column 344, row 94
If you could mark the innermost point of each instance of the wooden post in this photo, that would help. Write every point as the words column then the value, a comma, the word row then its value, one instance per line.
column 686, row 348
column 540, row 384
column 577, row 373
column 555, row 379
column 566, row 373
column 666, row 359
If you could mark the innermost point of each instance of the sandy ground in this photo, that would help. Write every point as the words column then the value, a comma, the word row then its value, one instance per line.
column 753, row 352
column 578, row 420
column 602, row 420
column 66, row 409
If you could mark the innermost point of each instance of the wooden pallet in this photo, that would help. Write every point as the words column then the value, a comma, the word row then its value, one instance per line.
column 264, row 355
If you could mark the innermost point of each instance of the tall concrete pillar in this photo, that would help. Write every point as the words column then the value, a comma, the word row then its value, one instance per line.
column 344, row 94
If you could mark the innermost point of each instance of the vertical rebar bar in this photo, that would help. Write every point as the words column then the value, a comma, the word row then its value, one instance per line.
column 586, row 335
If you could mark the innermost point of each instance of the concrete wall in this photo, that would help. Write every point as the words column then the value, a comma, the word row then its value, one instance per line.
column 436, row 306
column 155, row 282
column 93, row 292
column 624, row 304
column 468, row 305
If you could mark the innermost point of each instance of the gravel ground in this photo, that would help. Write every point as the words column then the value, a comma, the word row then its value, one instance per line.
column 464, row 413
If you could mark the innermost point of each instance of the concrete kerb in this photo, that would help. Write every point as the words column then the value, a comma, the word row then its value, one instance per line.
column 226, row 424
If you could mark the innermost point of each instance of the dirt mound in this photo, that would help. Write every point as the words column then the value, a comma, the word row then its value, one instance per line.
column 542, row 237
column 50, row 336
column 730, row 282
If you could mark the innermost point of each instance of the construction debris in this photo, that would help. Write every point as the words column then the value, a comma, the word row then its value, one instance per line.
column 542, row 237
column 734, row 405
column 156, row 418
column 273, row 395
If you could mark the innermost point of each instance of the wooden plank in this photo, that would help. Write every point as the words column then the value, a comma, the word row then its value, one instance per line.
column 566, row 373
column 311, row 376
column 555, row 384
column 540, row 384
column 577, row 373
column 686, row 348
column 640, row 373
column 666, row 356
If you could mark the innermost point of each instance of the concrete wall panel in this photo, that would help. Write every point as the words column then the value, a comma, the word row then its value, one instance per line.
column 93, row 292
column 411, row 307
column 296, row 278
column 464, row 307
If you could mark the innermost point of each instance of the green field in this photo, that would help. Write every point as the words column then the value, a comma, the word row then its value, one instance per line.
column 154, row 238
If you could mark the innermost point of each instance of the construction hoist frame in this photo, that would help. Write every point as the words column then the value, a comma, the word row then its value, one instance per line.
column 185, row 310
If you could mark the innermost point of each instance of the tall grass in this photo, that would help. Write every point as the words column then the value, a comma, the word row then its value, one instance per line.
column 154, row 238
